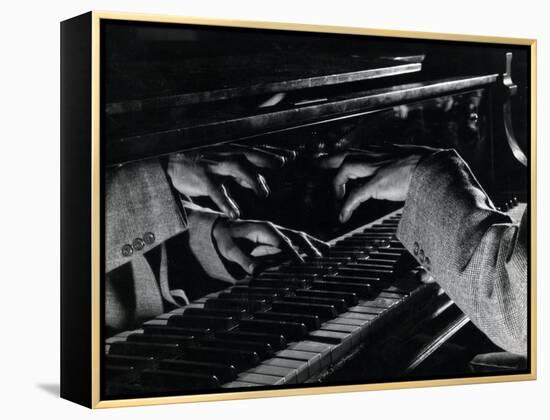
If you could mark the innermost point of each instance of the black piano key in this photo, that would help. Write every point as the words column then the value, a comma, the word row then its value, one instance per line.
column 383, row 229
column 374, row 259
column 120, row 373
column 388, row 222
column 367, row 265
column 327, row 260
column 268, row 297
column 223, row 372
column 365, row 271
column 233, row 313
column 348, row 245
column 277, row 341
column 250, row 290
column 138, row 362
column 353, row 279
column 369, row 243
column 346, row 253
column 339, row 304
column 175, row 380
column 322, row 311
column 290, row 330
column 170, row 330
column 350, row 298
column 375, row 231
column 213, row 322
column 126, row 348
column 264, row 350
column 361, row 289
column 330, row 337
column 249, row 305
column 286, row 283
column 312, row 322
column 372, row 239
column 386, row 255
column 241, row 359
column 306, row 268
column 396, row 249
column 288, row 275
column 160, row 338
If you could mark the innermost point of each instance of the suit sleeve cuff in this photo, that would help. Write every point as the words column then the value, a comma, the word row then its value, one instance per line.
column 446, row 213
column 416, row 205
column 203, row 247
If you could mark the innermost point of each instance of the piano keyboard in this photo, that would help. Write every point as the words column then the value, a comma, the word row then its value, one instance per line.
column 288, row 325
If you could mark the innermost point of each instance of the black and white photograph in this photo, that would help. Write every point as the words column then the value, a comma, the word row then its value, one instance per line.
column 286, row 209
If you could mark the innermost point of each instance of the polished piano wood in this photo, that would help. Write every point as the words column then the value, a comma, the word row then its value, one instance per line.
column 135, row 135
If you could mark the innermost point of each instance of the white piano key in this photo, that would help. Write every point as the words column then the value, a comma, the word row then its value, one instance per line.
column 350, row 321
column 192, row 305
column 339, row 350
column 323, row 349
column 383, row 303
column 179, row 311
column 331, row 326
column 313, row 360
column 352, row 330
column 300, row 367
column 364, row 309
column 289, row 374
column 357, row 315
column 363, row 327
column 122, row 336
column 239, row 384
column 259, row 379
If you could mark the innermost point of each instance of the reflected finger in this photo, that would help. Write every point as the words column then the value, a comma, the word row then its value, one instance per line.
column 281, row 151
column 244, row 174
column 352, row 170
column 356, row 197
column 219, row 195
column 332, row 161
column 260, row 158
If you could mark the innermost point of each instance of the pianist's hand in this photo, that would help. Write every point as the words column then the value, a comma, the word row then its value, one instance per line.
column 247, row 242
column 385, row 173
column 196, row 175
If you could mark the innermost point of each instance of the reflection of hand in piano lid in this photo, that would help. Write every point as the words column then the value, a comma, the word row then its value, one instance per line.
column 385, row 173
column 202, row 175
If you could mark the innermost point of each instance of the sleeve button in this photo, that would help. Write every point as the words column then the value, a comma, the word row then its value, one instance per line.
column 421, row 256
column 127, row 250
column 427, row 263
column 138, row 244
column 416, row 247
column 149, row 237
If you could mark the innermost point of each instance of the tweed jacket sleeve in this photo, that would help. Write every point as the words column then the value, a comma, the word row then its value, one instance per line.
column 140, row 211
column 477, row 254
column 202, row 243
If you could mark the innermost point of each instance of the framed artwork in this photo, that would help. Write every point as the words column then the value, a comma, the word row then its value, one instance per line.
column 253, row 209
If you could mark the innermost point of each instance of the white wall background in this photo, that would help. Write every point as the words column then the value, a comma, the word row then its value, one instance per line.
column 29, row 223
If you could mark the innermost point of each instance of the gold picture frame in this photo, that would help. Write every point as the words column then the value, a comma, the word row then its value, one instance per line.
column 89, row 394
